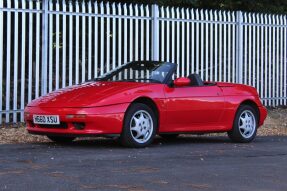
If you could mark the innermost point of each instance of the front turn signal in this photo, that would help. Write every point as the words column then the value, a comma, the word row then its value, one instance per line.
column 76, row 116
column 26, row 115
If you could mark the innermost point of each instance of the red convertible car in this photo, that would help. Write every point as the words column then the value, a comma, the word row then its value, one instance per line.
column 140, row 99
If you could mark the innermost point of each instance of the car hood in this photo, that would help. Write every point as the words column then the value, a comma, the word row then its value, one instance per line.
column 90, row 94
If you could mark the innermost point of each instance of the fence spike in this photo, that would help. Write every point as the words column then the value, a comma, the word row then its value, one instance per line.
column 147, row 10
column 113, row 6
column 192, row 14
column 172, row 12
column 233, row 16
column 125, row 8
column 187, row 12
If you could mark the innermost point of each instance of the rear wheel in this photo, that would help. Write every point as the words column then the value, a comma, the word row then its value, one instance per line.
column 245, row 125
column 61, row 139
column 140, row 126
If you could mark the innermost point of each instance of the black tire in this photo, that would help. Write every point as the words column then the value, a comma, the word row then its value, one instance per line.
column 169, row 136
column 127, row 137
column 61, row 139
column 236, row 133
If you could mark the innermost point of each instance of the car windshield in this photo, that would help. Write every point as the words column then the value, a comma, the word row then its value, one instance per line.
column 140, row 71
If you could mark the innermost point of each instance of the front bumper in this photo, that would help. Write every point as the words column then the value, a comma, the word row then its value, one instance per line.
column 97, row 121
column 262, row 115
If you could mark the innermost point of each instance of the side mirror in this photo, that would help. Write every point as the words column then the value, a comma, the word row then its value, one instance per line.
column 181, row 82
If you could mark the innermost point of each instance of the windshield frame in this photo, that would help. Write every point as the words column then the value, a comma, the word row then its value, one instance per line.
column 117, row 70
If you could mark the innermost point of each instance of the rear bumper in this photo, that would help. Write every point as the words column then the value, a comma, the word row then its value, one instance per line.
column 97, row 121
column 262, row 115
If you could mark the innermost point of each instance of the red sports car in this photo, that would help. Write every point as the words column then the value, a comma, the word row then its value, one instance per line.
column 140, row 99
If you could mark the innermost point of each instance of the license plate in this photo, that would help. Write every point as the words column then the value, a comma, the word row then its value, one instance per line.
column 46, row 119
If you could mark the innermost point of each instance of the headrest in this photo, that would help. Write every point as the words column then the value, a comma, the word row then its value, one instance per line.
column 195, row 80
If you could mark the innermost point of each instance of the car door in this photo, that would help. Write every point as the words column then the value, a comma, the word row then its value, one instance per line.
column 193, row 108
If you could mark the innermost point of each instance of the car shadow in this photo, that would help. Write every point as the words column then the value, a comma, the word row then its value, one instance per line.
column 194, row 139
column 114, row 143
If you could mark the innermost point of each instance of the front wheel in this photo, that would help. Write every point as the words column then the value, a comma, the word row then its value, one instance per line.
column 245, row 125
column 140, row 126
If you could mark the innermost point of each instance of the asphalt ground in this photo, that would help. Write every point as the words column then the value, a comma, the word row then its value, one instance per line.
column 187, row 163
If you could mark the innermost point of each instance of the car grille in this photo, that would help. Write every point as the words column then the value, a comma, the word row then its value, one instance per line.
column 62, row 125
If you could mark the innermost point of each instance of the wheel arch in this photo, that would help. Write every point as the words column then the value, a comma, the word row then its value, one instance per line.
column 147, row 101
column 253, row 105
column 150, row 103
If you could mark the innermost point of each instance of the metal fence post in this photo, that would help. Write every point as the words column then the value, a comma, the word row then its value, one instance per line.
column 239, row 47
column 44, row 46
column 1, row 59
column 155, row 32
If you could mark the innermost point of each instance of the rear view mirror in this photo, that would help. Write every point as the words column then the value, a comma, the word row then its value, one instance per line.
column 181, row 82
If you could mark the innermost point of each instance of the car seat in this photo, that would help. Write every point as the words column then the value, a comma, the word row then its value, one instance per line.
column 195, row 80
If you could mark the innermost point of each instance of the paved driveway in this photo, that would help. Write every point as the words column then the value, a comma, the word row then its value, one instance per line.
column 206, row 163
